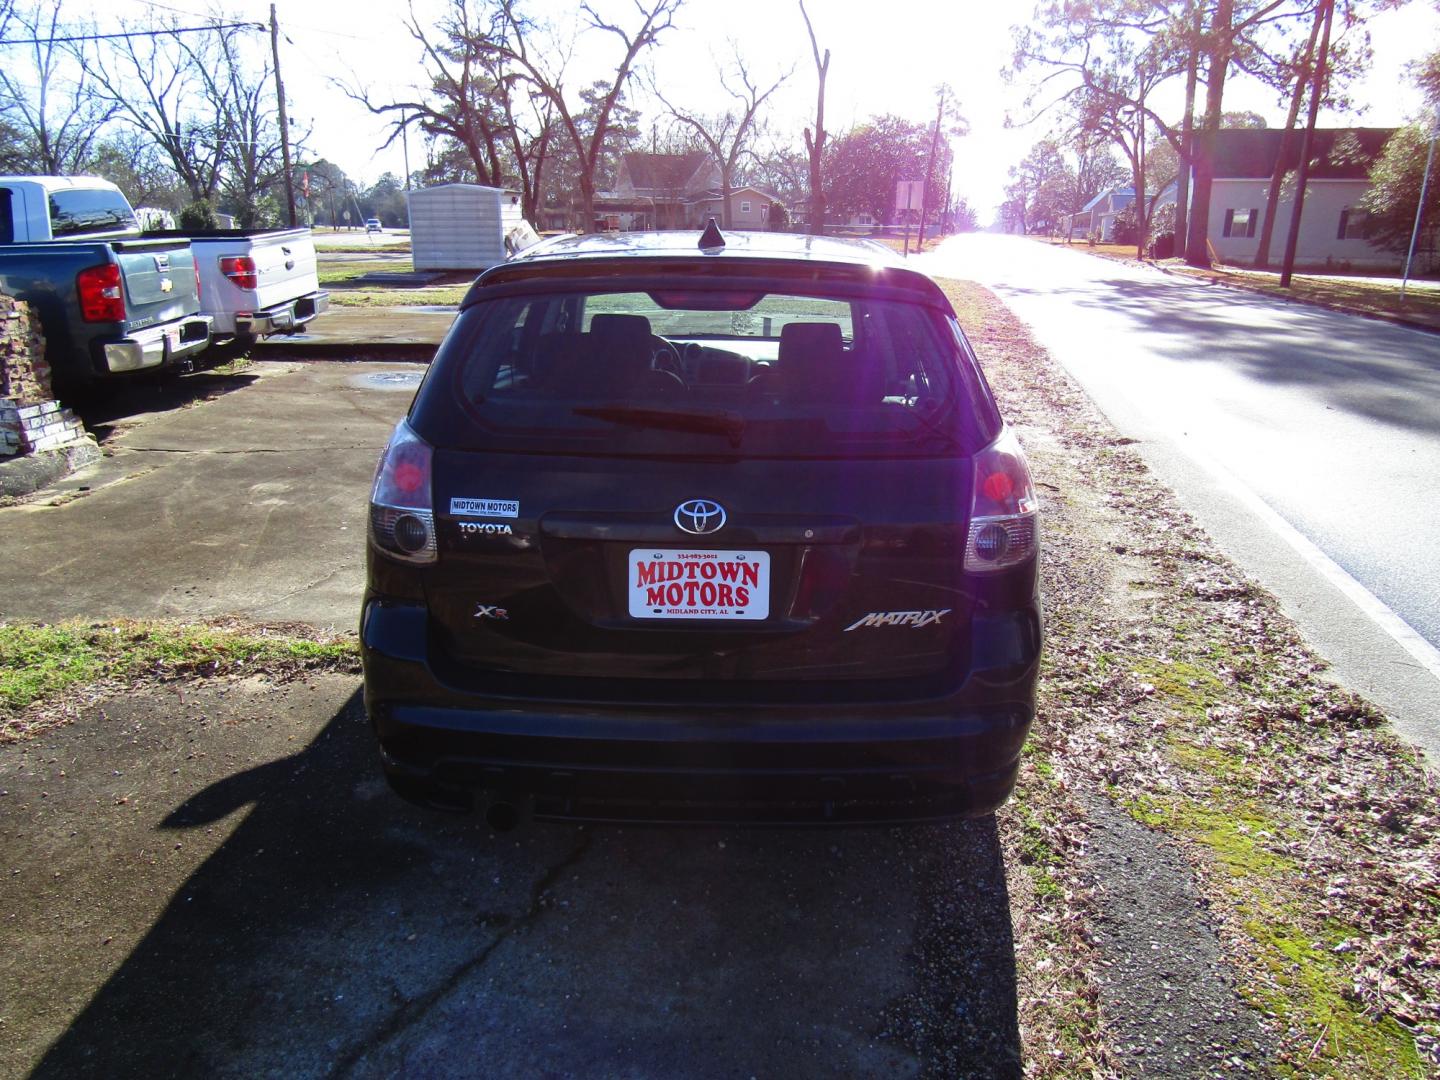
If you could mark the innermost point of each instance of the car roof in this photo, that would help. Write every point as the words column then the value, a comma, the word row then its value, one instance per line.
column 63, row 183
column 679, row 252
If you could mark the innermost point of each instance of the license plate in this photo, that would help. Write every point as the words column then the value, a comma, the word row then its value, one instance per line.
column 683, row 583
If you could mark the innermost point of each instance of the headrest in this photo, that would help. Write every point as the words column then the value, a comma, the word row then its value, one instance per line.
column 814, row 366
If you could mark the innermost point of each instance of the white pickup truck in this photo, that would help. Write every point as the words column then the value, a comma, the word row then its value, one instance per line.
column 255, row 282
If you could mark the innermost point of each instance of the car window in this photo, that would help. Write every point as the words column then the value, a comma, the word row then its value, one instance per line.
column 77, row 213
column 748, row 372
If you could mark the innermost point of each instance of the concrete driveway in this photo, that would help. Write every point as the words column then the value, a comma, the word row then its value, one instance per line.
column 221, row 495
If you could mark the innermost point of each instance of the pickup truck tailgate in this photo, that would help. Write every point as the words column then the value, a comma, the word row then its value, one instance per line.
column 159, row 279
column 285, row 266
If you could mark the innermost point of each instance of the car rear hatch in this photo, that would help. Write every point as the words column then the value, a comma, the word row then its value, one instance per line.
column 757, row 481
column 552, row 569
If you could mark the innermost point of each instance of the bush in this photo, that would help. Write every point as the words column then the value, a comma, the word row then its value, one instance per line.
column 1163, row 246
column 1127, row 230
column 199, row 215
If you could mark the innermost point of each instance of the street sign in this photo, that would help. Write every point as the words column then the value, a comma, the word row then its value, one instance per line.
column 909, row 194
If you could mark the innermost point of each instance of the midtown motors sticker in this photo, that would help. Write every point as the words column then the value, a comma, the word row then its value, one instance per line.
column 680, row 584
column 490, row 508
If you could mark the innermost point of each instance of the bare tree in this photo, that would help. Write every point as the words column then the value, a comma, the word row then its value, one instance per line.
column 1096, row 52
column 152, row 82
column 728, row 135
column 815, row 142
column 465, row 102
column 948, row 121
column 239, row 95
column 57, row 123
column 510, row 45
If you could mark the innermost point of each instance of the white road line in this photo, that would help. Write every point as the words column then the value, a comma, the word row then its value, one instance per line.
column 1370, row 605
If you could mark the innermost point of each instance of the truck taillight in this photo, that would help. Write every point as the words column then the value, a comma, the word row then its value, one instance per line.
column 241, row 270
column 1003, row 508
column 196, row 267
column 101, row 296
column 402, row 520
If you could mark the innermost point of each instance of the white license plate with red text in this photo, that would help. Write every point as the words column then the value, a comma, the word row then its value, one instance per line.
column 681, row 583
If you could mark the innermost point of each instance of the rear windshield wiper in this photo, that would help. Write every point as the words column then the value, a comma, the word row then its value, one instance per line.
column 729, row 424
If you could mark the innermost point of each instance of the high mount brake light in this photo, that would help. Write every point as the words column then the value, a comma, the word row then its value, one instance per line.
column 241, row 270
column 1003, row 508
column 102, row 299
column 402, row 519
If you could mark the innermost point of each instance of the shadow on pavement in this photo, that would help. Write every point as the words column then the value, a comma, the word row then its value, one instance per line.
column 1360, row 365
column 338, row 931
column 158, row 393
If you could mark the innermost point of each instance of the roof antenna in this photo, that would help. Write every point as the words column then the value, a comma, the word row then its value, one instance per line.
column 710, row 239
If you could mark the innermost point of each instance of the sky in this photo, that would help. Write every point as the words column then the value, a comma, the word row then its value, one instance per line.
column 885, row 57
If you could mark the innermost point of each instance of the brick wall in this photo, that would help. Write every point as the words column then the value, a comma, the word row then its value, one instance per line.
column 31, row 420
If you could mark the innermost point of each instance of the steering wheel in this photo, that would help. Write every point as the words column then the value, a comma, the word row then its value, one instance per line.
column 665, row 357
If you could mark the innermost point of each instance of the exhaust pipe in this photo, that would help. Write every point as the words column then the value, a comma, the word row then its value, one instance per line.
column 502, row 816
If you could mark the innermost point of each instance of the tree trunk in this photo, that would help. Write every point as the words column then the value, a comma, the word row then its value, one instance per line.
column 1197, row 247
column 930, row 170
column 726, row 221
column 1187, row 144
column 587, row 199
column 1318, row 90
column 1277, row 178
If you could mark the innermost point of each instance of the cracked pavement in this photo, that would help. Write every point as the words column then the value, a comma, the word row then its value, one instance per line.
column 214, row 881
column 251, row 504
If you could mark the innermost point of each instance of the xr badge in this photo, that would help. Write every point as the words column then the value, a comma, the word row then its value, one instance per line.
column 491, row 611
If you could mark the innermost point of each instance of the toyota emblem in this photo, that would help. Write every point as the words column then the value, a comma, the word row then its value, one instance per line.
column 699, row 516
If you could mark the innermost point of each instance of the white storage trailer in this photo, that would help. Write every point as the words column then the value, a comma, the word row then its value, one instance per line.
column 461, row 226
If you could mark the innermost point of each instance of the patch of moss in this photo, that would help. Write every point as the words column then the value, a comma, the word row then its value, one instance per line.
column 1344, row 1040
column 1193, row 689
column 1235, row 833
column 1225, row 766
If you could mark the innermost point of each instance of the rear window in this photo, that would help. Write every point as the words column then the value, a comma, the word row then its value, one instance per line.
column 739, row 371
column 77, row 213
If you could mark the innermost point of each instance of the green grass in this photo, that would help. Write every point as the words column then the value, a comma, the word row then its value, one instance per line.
column 339, row 271
column 38, row 662
column 449, row 295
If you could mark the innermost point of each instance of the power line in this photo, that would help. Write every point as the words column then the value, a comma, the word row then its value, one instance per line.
column 136, row 33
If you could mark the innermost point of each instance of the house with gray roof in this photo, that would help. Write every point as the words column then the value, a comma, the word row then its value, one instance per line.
column 1333, row 229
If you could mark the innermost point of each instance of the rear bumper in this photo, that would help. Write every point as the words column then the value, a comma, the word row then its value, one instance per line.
column 794, row 764
column 156, row 346
column 286, row 318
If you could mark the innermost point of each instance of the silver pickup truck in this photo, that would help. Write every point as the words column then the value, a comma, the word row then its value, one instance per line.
column 255, row 282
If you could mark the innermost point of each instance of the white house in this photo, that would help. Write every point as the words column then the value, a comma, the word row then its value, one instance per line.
column 1332, row 226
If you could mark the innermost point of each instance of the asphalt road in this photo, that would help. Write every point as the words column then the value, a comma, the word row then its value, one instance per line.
column 1305, row 441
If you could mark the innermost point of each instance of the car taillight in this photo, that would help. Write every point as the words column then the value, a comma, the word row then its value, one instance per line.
column 196, row 267
column 101, row 297
column 1003, row 508
column 241, row 270
column 402, row 521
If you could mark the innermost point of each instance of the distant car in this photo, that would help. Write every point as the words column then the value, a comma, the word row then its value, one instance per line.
column 703, row 528
column 372, row 224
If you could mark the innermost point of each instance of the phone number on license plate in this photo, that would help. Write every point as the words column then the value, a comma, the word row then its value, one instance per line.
column 681, row 584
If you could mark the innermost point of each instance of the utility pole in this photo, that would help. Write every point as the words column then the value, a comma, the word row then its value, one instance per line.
column 405, row 145
column 1292, row 238
column 284, row 121
column 930, row 166
column 1419, row 209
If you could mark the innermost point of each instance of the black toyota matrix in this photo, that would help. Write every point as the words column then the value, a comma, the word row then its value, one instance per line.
column 707, row 528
